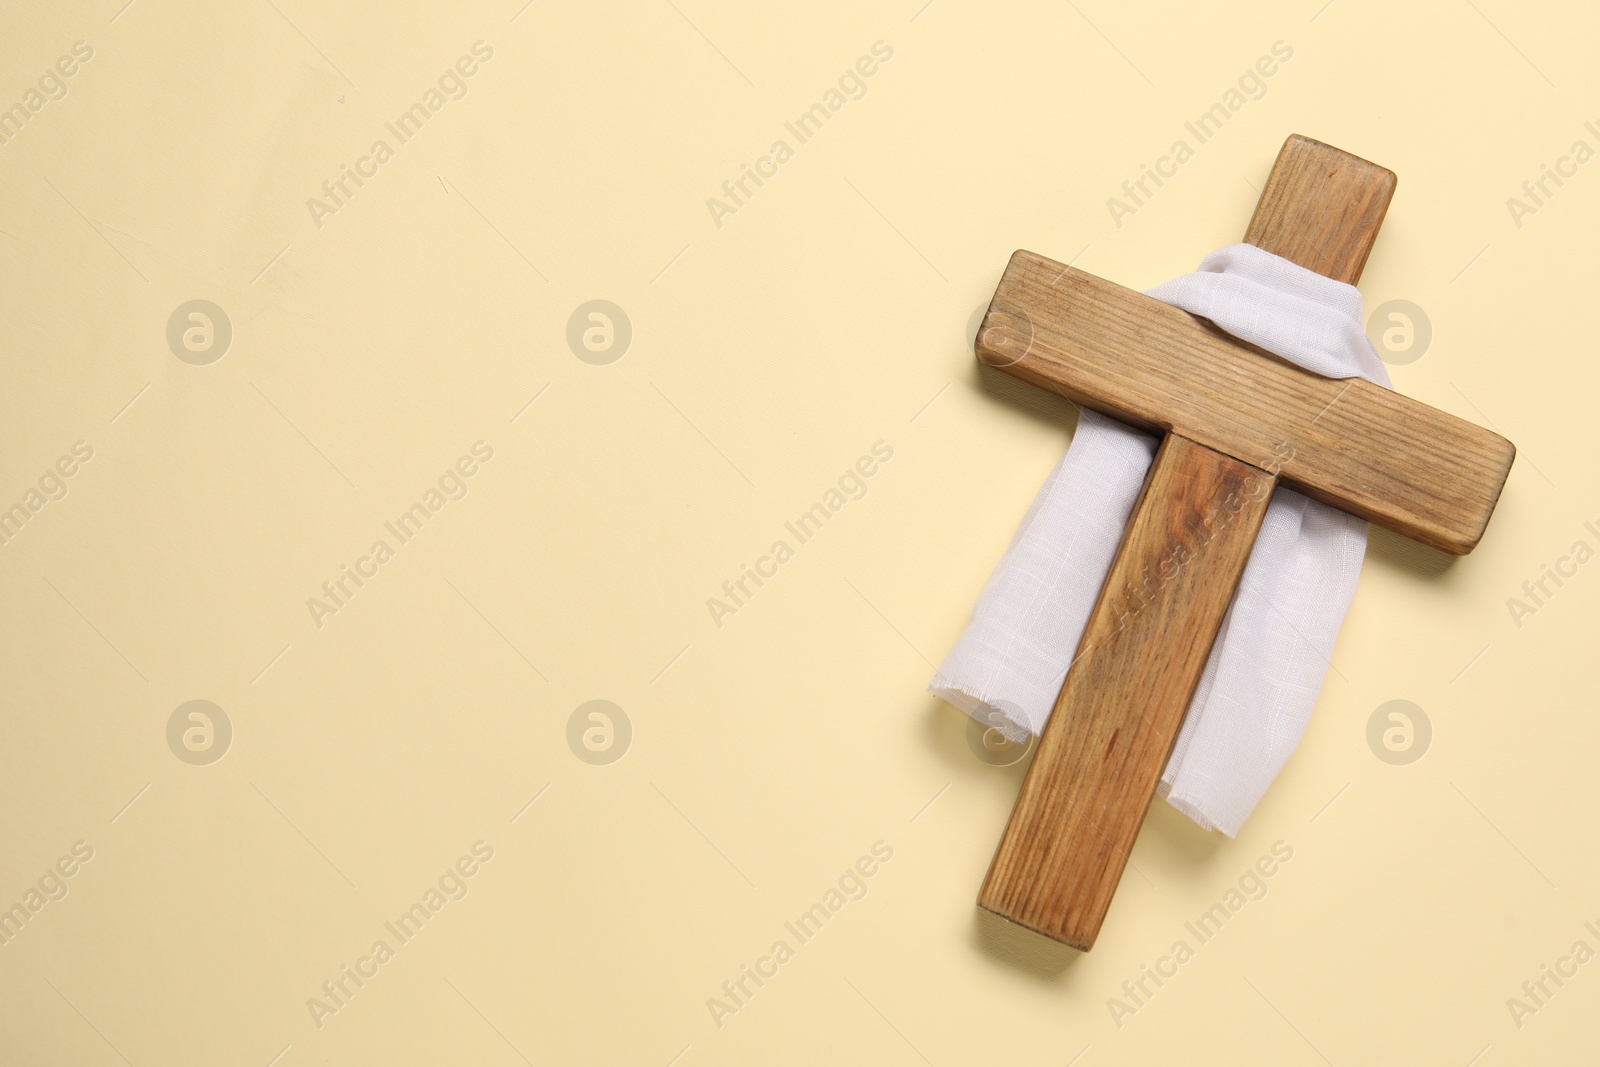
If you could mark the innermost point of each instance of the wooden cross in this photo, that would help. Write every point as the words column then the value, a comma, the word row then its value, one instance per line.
column 1237, row 422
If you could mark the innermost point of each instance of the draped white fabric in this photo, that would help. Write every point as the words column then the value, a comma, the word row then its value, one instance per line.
column 1267, row 666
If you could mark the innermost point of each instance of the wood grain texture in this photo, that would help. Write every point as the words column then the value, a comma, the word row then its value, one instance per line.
column 1322, row 208
column 1229, row 410
column 1114, row 724
column 1364, row 449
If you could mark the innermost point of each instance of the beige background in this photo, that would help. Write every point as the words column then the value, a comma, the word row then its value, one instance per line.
column 828, row 313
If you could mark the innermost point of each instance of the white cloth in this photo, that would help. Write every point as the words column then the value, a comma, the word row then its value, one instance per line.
column 1273, row 651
